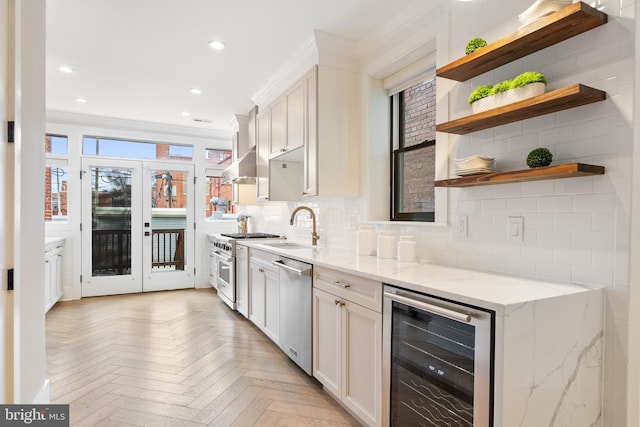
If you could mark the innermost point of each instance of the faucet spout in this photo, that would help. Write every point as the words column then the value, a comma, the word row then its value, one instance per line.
column 314, row 234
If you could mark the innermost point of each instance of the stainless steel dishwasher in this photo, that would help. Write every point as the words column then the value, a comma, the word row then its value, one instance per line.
column 295, row 311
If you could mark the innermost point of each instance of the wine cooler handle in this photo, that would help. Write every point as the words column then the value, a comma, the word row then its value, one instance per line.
column 454, row 315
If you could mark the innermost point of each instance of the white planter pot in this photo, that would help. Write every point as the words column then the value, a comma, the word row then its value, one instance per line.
column 508, row 97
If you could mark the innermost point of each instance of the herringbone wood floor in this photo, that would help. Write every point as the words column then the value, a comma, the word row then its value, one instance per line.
column 176, row 358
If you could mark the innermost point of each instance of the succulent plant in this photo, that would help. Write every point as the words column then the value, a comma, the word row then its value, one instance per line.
column 539, row 157
column 479, row 93
column 500, row 87
column 528, row 77
column 475, row 44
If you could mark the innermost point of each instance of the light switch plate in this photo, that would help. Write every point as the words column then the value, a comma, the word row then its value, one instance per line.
column 460, row 227
column 515, row 229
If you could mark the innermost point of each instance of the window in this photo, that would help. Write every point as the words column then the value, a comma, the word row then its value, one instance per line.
column 56, row 179
column 413, row 113
column 97, row 146
column 218, row 195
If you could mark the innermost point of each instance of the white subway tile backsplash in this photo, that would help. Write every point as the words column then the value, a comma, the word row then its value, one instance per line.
column 553, row 238
column 553, row 271
column 604, row 202
column 507, row 190
column 572, row 256
column 494, row 205
column 583, row 239
column 592, row 275
column 604, row 221
column 538, row 188
column 575, row 221
column 537, row 253
column 559, row 134
column 522, row 205
column 538, row 220
column 575, row 186
column 526, row 142
column 555, row 204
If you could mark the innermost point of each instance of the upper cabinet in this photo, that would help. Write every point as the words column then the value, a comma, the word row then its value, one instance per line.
column 313, row 137
column 262, row 155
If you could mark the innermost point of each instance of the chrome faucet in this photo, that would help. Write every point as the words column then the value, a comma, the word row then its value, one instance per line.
column 314, row 235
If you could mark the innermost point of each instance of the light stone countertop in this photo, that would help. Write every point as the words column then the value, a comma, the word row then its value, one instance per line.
column 483, row 289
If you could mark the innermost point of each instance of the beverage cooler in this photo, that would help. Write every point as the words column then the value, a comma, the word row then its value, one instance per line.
column 438, row 361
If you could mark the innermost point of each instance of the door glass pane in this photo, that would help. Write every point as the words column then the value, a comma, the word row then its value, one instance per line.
column 168, row 220
column 111, row 221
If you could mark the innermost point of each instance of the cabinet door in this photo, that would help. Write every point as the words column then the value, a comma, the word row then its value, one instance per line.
column 242, row 280
column 327, row 341
column 48, row 267
column 295, row 116
column 310, row 176
column 56, row 285
column 262, row 156
column 278, row 127
column 272, row 305
column 256, row 302
column 362, row 361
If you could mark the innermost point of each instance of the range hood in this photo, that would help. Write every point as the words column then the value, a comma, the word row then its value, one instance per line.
column 243, row 170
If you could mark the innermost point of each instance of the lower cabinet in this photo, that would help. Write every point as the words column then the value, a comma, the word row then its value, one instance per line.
column 242, row 280
column 347, row 341
column 264, row 303
column 53, row 256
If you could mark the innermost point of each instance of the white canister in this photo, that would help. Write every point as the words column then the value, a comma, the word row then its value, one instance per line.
column 407, row 249
column 367, row 240
column 387, row 245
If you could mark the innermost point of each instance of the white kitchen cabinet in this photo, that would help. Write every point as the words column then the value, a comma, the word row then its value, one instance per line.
column 347, row 341
column 242, row 280
column 328, row 160
column 53, row 257
column 262, row 156
column 295, row 100
column 278, row 126
column 213, row 264
column 264, row 298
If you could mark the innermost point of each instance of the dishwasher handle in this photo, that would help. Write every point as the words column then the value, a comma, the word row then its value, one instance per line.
column 280, row 264
column 451, row 314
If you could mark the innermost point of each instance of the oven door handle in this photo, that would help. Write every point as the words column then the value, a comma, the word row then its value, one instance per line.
column 451, row 314
column 305, row 272
column 222, row 258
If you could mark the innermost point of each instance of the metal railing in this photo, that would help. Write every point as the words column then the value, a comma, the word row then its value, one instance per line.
column 111, row 251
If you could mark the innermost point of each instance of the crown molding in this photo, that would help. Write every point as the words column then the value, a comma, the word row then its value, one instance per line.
column 87, row 120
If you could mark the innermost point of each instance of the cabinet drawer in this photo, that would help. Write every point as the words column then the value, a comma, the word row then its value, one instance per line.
column 263, row 259
column 362, row 291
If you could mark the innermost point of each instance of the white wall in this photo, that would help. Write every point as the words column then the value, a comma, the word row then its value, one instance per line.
column 30, row 384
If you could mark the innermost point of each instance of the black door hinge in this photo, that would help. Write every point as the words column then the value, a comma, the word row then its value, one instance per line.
column 10, row 279
column 10, row 132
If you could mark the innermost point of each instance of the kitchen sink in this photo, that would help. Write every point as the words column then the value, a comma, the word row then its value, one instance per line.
column 287, row 245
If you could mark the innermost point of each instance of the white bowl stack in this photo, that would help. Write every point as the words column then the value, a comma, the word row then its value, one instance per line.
column 474, row 165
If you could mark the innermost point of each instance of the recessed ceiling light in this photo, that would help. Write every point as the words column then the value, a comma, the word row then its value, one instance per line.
column 65, row 69
column 195, row 90
column 81, row 100
column 217, row 45
column 185, row 113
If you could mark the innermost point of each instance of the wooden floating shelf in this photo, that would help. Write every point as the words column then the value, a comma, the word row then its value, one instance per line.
column 568, row 170
column 549, row 102
column 568, row 22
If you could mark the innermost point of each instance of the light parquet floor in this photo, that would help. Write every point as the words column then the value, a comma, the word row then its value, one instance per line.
column 176, row 358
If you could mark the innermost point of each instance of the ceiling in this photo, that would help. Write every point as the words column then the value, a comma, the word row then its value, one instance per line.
column 138, row 59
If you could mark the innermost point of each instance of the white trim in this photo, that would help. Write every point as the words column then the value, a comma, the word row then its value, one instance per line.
column 87, row 121
column 43, row 396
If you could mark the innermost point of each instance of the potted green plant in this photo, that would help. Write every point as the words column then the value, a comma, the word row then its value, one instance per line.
column 475, row 44
column 539, row 157
column 526, row 85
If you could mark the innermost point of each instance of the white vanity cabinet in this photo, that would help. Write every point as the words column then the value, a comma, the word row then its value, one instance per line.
column 264, row 301
column 347, row 341
column 53, row 256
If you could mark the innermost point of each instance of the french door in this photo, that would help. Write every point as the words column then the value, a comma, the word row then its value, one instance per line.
column 137, row 226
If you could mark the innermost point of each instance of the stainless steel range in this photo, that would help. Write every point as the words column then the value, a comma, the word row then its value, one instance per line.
column 223, row 254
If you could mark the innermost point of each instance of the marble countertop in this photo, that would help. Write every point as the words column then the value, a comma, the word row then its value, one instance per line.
column 52, row 240
column 482, row 289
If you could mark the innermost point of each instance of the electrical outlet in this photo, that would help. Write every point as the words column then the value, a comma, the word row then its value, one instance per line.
column 515, row 229
column 460, row 226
